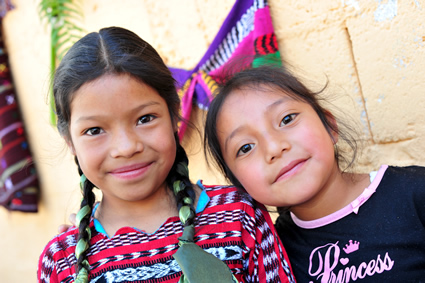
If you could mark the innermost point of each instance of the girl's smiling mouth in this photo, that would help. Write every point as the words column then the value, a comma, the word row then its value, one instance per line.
column 291, row 169
column 131, row 171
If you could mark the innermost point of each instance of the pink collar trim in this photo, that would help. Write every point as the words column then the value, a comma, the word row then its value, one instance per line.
column 352, row 207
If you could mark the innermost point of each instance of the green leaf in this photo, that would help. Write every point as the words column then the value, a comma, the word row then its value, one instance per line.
column 63, row 18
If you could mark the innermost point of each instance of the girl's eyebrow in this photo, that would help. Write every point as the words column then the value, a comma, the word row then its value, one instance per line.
column 232, row 134
column 268, row 108
column 277, row 102
column 134, row 110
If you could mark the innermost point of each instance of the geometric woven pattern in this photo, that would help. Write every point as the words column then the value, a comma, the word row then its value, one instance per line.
column 19, row 188
column 231, row 227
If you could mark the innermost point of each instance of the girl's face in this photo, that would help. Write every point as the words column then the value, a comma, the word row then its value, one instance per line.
column 277, row 147
column 123, row 136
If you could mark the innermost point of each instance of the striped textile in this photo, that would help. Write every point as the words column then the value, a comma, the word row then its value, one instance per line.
column 231, row 227
column 246, row 39
column 18, row 178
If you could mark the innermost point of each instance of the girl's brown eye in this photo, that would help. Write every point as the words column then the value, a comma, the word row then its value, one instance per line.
column 93, row 131
column 288, row 119
column 245, row 149
column 146, row 119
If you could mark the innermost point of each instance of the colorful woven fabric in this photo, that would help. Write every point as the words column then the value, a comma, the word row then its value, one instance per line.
column 18, row 179
column 246, row 39
column 232, row 227
column 5, row 6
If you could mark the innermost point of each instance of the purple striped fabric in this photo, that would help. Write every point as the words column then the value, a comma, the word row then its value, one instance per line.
column 19, row 187
column 246, row 39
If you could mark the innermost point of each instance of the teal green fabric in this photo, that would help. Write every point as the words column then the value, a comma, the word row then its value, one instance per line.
column 269, row 59
column 197, row 265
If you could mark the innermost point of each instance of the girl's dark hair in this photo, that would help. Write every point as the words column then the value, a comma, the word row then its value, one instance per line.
column 282, row 80
column 115, row 50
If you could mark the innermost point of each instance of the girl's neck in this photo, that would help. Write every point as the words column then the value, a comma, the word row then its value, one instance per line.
column 145, row 216
column 341, row 191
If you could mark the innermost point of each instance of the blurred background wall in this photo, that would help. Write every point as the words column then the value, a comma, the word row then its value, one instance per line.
column 371, row 52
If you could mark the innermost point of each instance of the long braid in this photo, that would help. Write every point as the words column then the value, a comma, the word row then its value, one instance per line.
column 84, row 232
column 178, row 180
column 197, row 265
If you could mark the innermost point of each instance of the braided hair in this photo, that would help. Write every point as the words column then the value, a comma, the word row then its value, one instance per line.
column 217, row 270
column 83, row 221
column 178, row 180
column 115, row 50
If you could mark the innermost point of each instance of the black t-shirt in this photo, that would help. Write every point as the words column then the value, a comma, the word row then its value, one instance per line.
column 383, row 242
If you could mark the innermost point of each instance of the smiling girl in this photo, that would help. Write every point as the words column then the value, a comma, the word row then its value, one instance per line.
column 270, row 135
column 117, row 109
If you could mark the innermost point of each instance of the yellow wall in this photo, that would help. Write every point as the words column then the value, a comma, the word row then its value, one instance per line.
column 371, row 51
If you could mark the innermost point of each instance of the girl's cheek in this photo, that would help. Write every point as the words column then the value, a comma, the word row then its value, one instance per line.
column 244, row 173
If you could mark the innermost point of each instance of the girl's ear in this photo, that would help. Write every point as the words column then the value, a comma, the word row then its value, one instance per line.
column 333, row 130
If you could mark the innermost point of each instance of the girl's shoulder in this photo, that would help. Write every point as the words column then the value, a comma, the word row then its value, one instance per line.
column 57, row 251
column 412, row 171
column 64, row 237
column 229, row 197
column 228, row 203
column 410, row 180
column 63, row 244
column 217, row 189
column 230, row 192
column 410, row 176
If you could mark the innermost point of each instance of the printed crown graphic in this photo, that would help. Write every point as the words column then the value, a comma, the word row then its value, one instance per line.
column 351, row 247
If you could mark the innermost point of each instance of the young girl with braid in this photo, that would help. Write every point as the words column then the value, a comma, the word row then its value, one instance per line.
column 117, row 109
column 272, row 136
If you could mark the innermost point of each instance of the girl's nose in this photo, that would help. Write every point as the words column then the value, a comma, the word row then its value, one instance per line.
column 126, row 143
column 276, row 145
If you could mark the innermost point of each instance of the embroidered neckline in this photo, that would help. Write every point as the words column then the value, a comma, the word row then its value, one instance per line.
column 203, row 201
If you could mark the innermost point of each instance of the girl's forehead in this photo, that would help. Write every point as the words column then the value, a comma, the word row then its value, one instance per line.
column 114, row 93
column 257, row 93
column 94, row 84
column 119, row 84
column 244, row 102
